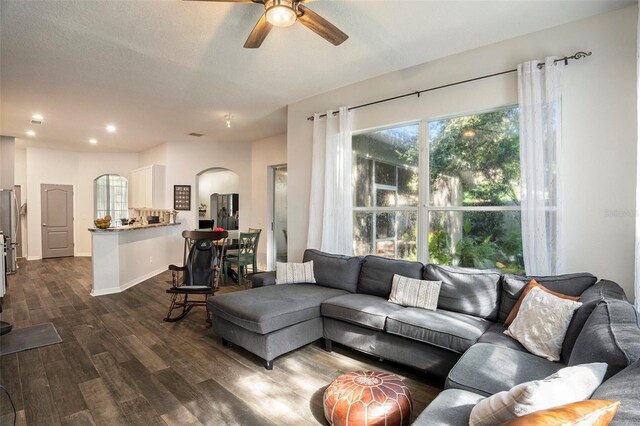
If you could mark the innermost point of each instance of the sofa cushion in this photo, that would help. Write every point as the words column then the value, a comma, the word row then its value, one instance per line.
column 488, row 369
column 266, row 309
column 495, row 336
column 525, row 292
column 451, row 407
column 542, row 323
column 623, row 387
column 376, row 274
column 590, row 298
column 263, row 279
column 513, row 286
column 603, row 289
column 295, row 273
column 589, row 412
column 334, row 271
column 470, row 291
column 568, row 385
column 611, row 335
column 445, row 329
column 362, row 309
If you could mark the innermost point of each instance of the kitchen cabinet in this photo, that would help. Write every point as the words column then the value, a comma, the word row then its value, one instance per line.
column 147, row 187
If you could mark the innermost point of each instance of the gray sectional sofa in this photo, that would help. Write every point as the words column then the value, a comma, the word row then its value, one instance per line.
column 462, row 340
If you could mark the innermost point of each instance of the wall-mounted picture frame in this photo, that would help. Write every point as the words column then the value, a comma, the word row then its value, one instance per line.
column 182, row 197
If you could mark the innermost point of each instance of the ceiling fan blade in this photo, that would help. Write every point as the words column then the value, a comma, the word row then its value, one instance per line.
column 321, row 26
column 259, row 33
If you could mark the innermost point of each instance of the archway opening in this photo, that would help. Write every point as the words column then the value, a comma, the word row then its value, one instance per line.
column 218, row 200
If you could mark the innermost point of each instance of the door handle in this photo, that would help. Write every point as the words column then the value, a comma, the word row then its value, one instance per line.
column 44, row 224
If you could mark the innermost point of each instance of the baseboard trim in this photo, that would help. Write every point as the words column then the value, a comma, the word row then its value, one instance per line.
column 83, row 255
column 34, row 258
column 125, row 286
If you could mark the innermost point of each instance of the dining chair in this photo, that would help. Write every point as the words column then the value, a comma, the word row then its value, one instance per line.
column 245, row 256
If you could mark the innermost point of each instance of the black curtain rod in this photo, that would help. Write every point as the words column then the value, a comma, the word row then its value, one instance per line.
column 577, row 55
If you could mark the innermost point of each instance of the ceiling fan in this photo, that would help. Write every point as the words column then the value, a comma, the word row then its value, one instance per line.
column 284, row 13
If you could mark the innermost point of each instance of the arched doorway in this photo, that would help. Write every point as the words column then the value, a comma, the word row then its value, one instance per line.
column 217, row 198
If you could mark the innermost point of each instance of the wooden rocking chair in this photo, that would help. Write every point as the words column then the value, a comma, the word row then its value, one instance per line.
column 199, row 275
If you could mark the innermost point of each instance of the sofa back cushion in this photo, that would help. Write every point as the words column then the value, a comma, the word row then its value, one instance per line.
column 611, row 335
column 334, row 271
column 376, row 275
column 590, row 298
column 514, row 285
column 623, row 387
column 469, row 291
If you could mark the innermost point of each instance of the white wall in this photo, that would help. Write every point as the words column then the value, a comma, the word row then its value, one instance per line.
column 599, row 129
column 78, row 169
column 216, row 181
column 265, row 154
column 155, row 155
column 185, row 160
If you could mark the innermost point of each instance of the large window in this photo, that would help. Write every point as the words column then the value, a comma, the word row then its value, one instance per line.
column 111, row 196
column 470, row 202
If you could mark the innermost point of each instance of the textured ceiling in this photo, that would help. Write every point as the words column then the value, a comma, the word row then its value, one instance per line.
column 162, row 69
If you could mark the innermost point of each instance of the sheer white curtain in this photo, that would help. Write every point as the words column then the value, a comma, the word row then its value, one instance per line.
column 637, row 280
column 539, row 95
column 330, row 205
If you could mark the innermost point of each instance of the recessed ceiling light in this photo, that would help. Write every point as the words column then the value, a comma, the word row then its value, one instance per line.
column 30, row 133
column 93, row 141
column 111, row 128
column 37, row 117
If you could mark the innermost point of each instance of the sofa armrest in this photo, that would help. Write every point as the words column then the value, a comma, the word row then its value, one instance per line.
column 263, row 279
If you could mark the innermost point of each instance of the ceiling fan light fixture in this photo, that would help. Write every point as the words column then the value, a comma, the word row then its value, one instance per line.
column 280, row 13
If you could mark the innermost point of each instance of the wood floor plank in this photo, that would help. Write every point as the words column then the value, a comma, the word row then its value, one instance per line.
column 145, row 355
column 10, row 379
column 117, row 381
column 36, row 393
column 83, row 368
column 232, row 410
column 104, row 409
column 179, row 387
column 64, row 390
column 20, row 418
column 180, row 417
column 160, row 398
column 139, row 412
column 81, row 418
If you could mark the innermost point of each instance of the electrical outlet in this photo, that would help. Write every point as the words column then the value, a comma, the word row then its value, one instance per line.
column 150, row 259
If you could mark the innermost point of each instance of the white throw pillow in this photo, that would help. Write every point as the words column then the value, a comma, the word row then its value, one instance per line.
column 407, row 291
column 292, row 273
column 542, row 323
column 571, row 384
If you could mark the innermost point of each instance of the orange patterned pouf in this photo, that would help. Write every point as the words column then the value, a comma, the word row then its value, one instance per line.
column 367, row 398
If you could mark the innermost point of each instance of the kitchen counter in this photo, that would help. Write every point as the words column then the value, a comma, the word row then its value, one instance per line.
column 133, row 227
column 122, row 259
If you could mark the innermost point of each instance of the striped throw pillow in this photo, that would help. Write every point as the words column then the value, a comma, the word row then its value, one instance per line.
column 417, row 293
column 291, row 273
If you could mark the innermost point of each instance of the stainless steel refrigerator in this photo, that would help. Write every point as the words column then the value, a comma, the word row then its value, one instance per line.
column 9, row 225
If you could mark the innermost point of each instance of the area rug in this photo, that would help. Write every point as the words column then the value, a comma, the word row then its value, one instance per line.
column 29, row 338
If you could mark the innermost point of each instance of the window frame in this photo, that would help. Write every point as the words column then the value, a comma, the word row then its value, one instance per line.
column 108, row 196
column 424, row 186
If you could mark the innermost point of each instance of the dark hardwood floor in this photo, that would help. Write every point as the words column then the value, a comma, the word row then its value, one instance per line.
column 120, row 364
